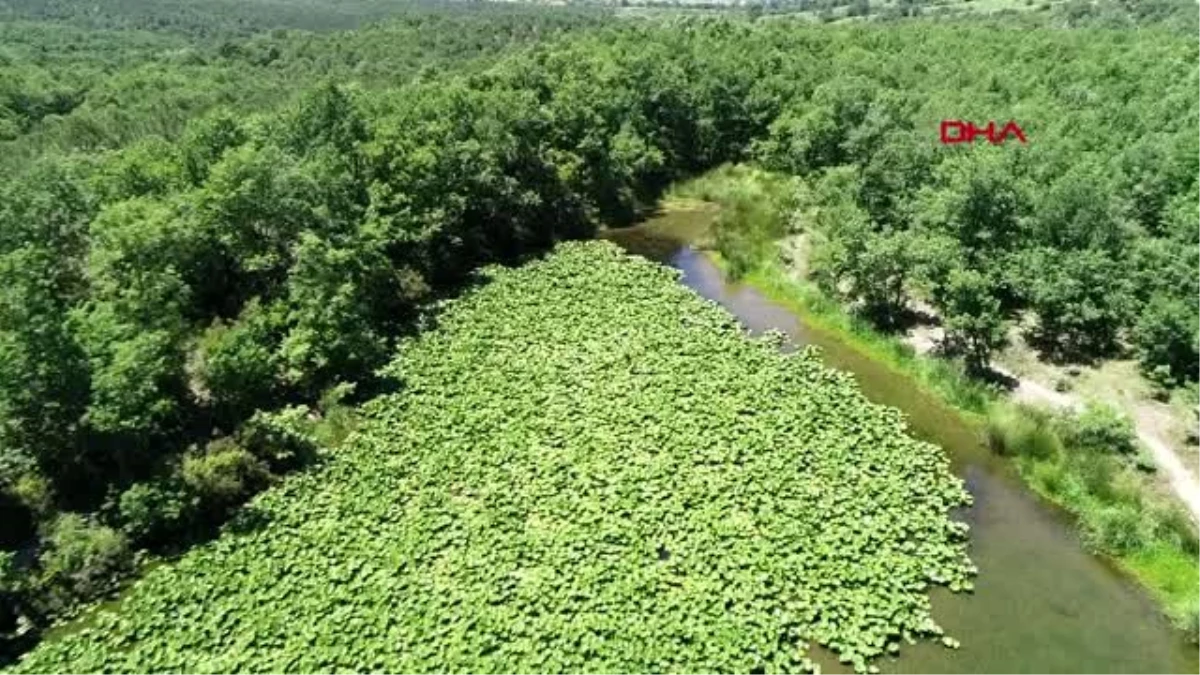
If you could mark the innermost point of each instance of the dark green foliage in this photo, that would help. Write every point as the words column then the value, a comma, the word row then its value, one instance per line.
column 1167, row 340
column 235, row 367
column 152, row 512
column 972, row 317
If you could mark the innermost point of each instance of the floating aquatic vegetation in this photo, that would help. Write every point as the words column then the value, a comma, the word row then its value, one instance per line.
column 585, row 467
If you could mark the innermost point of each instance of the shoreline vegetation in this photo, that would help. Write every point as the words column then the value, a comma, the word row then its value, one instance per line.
column 1161, row 559
column 1084, row 463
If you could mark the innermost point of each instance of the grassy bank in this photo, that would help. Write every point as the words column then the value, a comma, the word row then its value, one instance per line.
column 1118, row 513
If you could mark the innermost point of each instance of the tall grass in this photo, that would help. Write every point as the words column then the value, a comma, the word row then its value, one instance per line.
column 1022, row 431
column 1082, row 462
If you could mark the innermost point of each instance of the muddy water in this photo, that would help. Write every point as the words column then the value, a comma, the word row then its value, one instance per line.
column 1042, row 604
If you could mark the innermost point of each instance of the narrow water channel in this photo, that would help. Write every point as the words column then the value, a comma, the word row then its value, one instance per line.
column 1042, row 604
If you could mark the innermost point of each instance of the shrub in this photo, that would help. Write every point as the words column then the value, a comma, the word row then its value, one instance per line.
column 223, row 475
column 1173, row 525
column 234, row 366
column 338, row 418
column 1116, row 529
column 151, row 512
column 1166, row 340
column 1188, row 620
column 81, row 560
column 1099, row 428
column 1144, row 462
column 1051, row 478
column 283, row 439
column 1096, row 472
column 1022, row 431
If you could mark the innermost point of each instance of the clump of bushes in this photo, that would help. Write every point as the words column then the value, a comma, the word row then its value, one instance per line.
column 1118, row 528
column 81, row 558
column 755, row 208
column 1188, row 619
column 199, row 491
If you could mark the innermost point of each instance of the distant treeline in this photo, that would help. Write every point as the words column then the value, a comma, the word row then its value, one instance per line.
column 97, row 80
column 159, row 301
column 221, row 19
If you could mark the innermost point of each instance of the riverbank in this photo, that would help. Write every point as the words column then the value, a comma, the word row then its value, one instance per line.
column 1160, row 562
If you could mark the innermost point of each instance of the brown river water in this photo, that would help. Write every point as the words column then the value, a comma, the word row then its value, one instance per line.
column 1042, row 603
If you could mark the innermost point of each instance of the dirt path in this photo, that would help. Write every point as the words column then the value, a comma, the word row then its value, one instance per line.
column 1182, row 481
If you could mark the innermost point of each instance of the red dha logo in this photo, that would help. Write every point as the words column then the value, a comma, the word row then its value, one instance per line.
column 965, row 132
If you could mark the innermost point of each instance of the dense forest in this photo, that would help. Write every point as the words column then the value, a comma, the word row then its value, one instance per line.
column 96, row 81
column 212, row 232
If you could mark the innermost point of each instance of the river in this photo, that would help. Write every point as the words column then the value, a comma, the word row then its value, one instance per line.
column 1042, row 603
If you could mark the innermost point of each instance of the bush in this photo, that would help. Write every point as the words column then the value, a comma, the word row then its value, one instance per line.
column 283, row 439
column 222, row 476
column 1022, row 431
column 1166, row 340
column 1096, row 473
column 754, row 209
column 1115, row 529
column 1099, row 428
column 1051, row 478
column 233, row 366
column 338, row 418
column 152, row 512
column 81, row 560
column 1171, row 524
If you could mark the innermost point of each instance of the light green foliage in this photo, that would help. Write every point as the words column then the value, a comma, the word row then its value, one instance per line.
column 755, row 207
column 1116, row 529
column 1100, row 428
column 283, row 438
column 252, row 215
column 586, row 468
column 223, row 474
column 1022, row 431
column 329, row 291
column 1188, row 619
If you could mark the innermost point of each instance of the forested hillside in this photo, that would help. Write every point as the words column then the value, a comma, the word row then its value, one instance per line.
column 95, row 81
column 200, row 240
